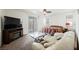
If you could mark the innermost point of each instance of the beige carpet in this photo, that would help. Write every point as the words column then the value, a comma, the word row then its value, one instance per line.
column 23, row 43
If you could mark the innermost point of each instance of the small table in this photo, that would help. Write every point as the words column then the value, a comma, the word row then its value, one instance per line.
column 37, row 35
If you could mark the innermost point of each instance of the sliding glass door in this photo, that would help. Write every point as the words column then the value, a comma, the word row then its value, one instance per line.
column 32, row 24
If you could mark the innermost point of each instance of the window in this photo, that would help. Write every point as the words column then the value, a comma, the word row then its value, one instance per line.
column 69, row 22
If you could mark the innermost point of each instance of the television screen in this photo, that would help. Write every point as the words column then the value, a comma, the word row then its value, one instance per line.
column 11, row 22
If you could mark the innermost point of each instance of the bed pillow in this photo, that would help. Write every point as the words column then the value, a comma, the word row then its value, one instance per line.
column 37, row 46
column 49, row 43
column 49, row 38
column 58, row 35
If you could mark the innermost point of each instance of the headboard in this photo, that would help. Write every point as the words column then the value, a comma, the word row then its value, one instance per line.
column 53, row 29
column 57, row 28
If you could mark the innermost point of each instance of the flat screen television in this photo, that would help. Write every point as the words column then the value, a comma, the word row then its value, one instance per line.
column 11, row 22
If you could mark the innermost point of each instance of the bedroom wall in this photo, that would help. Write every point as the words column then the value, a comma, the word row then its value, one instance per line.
column 57, row 19
column 60, row 18
column 77, row 23
column 41, row 23
column 19, row 14
column 0, row 27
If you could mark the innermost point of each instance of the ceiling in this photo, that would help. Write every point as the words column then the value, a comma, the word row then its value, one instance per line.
column 54, row 11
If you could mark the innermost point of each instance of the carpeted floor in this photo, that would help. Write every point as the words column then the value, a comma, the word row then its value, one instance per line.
column 23, row 43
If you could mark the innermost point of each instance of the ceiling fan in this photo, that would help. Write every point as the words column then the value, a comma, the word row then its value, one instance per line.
column 47, row 11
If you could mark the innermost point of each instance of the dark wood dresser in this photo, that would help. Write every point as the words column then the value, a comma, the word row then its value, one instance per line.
column 10, row 35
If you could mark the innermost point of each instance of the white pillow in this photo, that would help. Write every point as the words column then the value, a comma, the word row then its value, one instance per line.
column 49, row 44
column 49, row 38
column 58, row 35
column 66, row 43
column 46, row 37
column 37, row 46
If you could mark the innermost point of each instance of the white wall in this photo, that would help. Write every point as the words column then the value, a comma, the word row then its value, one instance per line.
column 41, row 23
column 0, row 27
column 56, row 19
column 22, row 14
column 0, row 33
column 19, row 14
column 60, row 19
column 77, row 24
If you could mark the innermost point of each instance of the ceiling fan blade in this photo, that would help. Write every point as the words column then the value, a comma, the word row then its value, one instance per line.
column 49, row 12
column 46, row 11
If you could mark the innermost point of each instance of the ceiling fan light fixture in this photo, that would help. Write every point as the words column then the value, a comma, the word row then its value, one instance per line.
column 45, row 11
